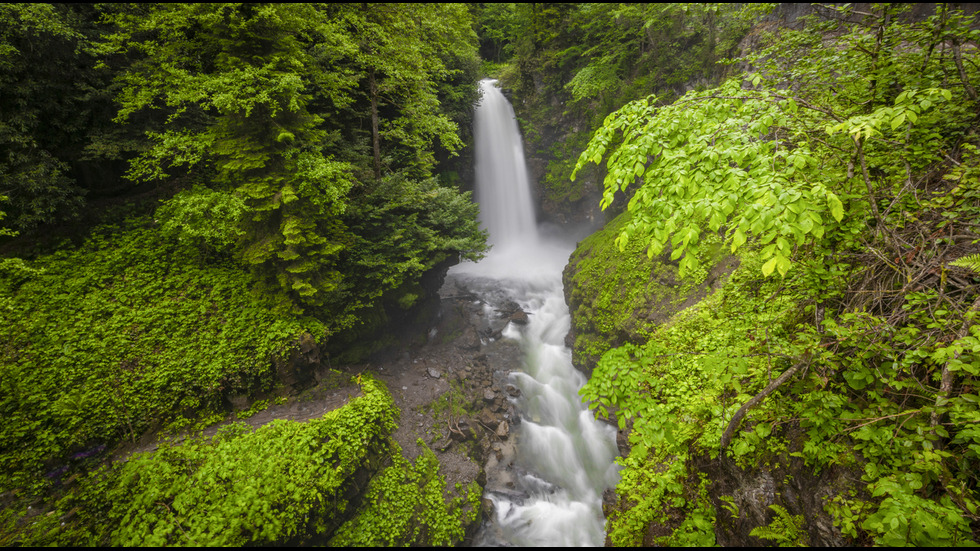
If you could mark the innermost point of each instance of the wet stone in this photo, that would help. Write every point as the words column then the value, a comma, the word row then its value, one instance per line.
column 489, row 395
column 502, row 429
column 488, row 419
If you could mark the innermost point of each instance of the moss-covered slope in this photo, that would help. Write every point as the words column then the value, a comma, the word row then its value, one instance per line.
column 103, row 341
column 287, row 482
column 619, row 297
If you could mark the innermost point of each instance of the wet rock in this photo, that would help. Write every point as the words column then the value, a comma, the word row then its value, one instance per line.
column 239, row 401
column 609, row 499
column 488, row 419
column 510, row 311
column 503, row 430
column 489, row 395
column 470, row 340
column 297, row 367
column 512, row 390
column 500, row 405
column 519, row 317
column 788, row 483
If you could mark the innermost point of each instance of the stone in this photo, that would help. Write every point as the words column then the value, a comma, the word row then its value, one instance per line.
column 502, row 430
column 434, row 373
column 519, row 317
column 513, row 391
column 488, row 419
column 469, row 340
column 489, row 395
column 239, row 402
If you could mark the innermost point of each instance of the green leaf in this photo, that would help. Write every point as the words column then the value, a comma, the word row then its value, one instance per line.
column 836, row 207
column 738, row 239
column 783, row 264
column 897, row 121
column 769, row 266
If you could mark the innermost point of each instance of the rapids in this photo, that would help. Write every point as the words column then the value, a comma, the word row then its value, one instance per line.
column 565, row 458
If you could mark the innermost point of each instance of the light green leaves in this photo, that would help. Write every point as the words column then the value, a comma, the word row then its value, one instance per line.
column 909, row 106
column 835, row 205
column 727, row 167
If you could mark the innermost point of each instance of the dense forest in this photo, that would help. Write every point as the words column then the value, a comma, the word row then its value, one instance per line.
column 778, row 309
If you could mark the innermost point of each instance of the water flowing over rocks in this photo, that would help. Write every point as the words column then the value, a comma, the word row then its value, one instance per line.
column 552, row 460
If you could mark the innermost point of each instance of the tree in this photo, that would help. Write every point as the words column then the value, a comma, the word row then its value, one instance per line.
column 40, row 113
column 254, row 101
column 234, row 82
column 404, row 51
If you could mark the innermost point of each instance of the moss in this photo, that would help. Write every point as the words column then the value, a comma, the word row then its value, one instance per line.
column 618, row 297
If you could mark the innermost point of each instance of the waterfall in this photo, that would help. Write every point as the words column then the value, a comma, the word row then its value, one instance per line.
column 503, row 188
column 565, row 458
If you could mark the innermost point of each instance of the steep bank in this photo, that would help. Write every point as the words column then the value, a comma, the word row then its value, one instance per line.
column 619, row 297
column 825, row 393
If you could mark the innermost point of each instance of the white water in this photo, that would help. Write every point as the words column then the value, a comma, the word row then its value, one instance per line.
column 565, row 457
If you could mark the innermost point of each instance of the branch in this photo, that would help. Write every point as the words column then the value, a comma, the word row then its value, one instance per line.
column 959, row 65
column 946, row 382
column 726, row 437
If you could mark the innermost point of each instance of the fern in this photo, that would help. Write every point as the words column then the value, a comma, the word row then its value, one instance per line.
column 971, row 262
column 785, row 529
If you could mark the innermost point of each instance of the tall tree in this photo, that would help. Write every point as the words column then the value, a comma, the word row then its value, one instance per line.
column 39, row 113
column 234, row 83
column 253, row 99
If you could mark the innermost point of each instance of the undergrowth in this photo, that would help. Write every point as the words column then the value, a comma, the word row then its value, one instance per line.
column 102, row 341
column 286, row 481
column 846, row 173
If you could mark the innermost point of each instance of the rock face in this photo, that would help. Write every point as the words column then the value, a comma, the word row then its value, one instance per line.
column 788, row 484
column 297, row 367
column 618, row 297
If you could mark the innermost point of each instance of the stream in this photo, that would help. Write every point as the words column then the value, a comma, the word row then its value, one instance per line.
column 564, row 457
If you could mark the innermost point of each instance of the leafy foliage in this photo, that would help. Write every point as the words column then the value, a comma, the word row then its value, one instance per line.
column 785, row 529
column 102, row 341
column 286, row 481
column 844, row 173
column 621, row 296
column 37, row 63
column 680, row 388
column 262, row 119
column 250, row 121
column 258, row 125
column 405, row 505
column 576, row 63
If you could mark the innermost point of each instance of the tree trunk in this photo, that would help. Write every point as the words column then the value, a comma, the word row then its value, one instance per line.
column 375, row 134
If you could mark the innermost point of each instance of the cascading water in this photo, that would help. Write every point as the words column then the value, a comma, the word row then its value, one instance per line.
column 565, row 458
column 502, row 187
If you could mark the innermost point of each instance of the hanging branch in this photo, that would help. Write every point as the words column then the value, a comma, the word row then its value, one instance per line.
column 726, row 437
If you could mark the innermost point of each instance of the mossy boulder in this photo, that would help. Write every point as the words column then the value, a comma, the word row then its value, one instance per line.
column 617, row 297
